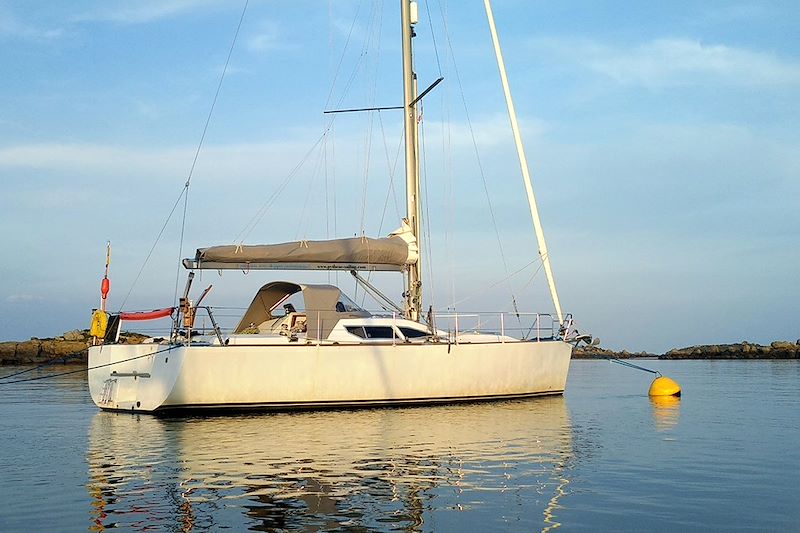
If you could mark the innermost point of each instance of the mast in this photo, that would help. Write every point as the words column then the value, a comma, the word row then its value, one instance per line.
column 413, row 294
column 523, row 163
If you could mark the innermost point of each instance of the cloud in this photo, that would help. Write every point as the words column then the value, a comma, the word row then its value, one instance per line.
column 13, row 28
column 489, row 131
column 734, row 13
column 88, row 157
column 266, row 39
column 675, row 62
column 144, row 11
column 23, row 298
column 235, row 163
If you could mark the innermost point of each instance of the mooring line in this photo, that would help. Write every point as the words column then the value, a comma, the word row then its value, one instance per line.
column 171, row 347
column 41, row 365
column 626, row 363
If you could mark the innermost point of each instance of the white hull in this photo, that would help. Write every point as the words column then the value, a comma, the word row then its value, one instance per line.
column 151, row 377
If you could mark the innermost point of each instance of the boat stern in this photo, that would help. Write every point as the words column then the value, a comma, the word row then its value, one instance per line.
column 132, row 377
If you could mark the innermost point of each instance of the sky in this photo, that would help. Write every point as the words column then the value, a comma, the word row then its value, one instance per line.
column 662, row 140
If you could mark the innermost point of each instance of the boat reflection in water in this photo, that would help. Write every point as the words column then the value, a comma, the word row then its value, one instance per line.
column 452, row 467
column 666, row 411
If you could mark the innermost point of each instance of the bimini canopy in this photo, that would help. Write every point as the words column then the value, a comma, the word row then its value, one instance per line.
column 324, row 306
column 266, row 300
column 394, row 252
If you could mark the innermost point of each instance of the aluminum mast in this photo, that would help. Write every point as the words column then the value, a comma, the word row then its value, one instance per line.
column 413, row 294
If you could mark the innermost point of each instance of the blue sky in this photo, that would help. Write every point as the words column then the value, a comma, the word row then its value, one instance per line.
column 662, row 139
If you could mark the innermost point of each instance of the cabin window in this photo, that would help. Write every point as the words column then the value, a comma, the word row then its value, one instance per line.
column 372, row 332
column 379, row 332
column 346, row 305
column 358, row 331
column 411, row 333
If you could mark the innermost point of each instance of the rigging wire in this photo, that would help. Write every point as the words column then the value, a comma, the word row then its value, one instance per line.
column 373, row 40
column 390, row 191
column 392, row 168
column 367, row 154
column 426, row 223
column 185, row 189
column 331, row 140
column 262, row 211
column 341, row 58
column 447, row 162
column 325, row 146
column 480, row 165
column 324, row 139
column 302, row 227
column 433, row 37
column 200, row 146
column 152, row 248
column 495, row 284
column 373, row 34
column 533, row 276
column 333, row 190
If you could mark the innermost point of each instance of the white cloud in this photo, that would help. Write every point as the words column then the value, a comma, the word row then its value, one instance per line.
column 144, row 11
column 235, row 163
column 12, row 27
column 88, row 157
column 672, row 62
column 266, row 39
column 489, row 131
column 23, row 298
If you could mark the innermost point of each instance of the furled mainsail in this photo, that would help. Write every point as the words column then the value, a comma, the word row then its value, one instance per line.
column 394, row 252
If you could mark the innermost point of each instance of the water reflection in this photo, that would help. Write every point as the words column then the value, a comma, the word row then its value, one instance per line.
column 411, row 469
column 666, row 411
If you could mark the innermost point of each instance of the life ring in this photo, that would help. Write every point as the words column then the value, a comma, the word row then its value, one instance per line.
column 99, row 324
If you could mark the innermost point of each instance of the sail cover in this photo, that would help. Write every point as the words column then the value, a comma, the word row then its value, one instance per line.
column 358, row 253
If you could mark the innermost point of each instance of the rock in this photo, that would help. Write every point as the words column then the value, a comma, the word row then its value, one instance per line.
column 27, row 352
column 74, row 335
column 783, row 345
column 8, row 353
column 64, row 348
column 127, row 337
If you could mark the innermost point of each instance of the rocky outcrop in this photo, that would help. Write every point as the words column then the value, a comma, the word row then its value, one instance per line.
column 743, row 350
column 595, row 352
column 72, row 347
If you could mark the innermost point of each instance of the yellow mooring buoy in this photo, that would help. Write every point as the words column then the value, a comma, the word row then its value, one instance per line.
column 664, row 386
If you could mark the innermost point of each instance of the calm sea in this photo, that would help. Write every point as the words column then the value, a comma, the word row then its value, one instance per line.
column 725, row 457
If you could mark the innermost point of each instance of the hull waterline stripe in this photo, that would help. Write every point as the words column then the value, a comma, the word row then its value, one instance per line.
column 336, row 404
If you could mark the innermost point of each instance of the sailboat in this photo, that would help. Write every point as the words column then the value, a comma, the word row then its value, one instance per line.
column 330, row 352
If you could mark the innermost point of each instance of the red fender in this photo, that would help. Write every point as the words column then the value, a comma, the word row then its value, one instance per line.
column 147, row 315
